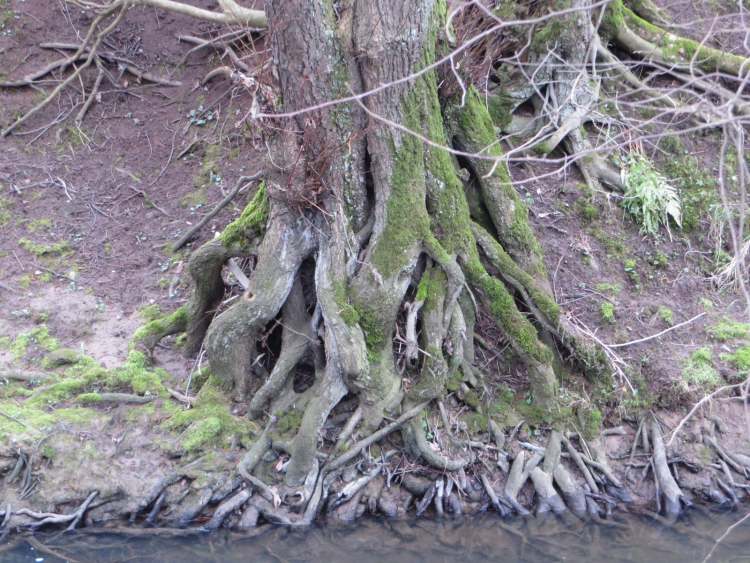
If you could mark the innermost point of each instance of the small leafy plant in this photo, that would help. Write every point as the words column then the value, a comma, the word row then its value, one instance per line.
column 649, row 198
column 607, row 311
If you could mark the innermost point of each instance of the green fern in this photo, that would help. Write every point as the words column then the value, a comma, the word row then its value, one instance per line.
column 649, row 198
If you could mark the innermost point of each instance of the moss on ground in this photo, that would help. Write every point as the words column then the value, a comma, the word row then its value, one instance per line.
column 39, row 250
column 37, row 339
column 210, row 422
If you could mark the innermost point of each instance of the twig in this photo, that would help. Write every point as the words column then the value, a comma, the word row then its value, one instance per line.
column 699, row 404
column 724, row 536
column 92, row 95
column 658, row 334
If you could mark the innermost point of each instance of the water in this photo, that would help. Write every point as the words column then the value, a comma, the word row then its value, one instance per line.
column 478, row 539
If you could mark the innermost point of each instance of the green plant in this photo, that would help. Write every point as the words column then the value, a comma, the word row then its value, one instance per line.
column 666, row 315
column 740, row 359
column 649, row 198
column 607, row 311
column 658, row 259
column 699, row 371
column 630, row 265
column 606, row 287
column 729, row 330
column 698, row 188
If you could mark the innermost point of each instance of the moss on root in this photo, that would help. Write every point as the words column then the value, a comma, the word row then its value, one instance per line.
column 158, row 327
column 504, row 310
column 250, row 223
column 406, row 217
column 674, row 49
column 478, row 132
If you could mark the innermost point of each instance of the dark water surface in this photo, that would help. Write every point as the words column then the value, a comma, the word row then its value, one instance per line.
column 485, row 538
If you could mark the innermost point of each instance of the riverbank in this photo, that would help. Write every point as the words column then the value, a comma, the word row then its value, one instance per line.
column 95, row 433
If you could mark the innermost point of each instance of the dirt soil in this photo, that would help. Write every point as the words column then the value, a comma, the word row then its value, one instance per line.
column 87, row 216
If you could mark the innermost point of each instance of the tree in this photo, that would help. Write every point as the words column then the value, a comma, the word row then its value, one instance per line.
column 387, row 211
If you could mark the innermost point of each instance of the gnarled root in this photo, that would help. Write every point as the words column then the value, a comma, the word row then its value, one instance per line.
column 287, row 243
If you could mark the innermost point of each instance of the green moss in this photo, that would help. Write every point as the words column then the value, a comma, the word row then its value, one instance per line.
column 61, row 357
column 676, row 49
column 696, row 185
column 372, row 324
column 471, row 398
column 612, row 245
column 548, row 34
column 26, row 421
column 728, row 329
column 37, row 249
column 347, row 311
column 210, row 170
column 607, row 311
column 500, row 107
column 476, row 124
column 37, row 338
column 137, row 375
column 150, row 312
column 288, row 422
column 658, row 260
column 590, row 421
column 504, row 310
column 454, row 381
column 39, row 225
column 174, row 322
column 509, row 268
column 201, row 433
column 406, row 217
column 699, row 371
column 5, row 214
column 60, row 391
column 250, row 223
column 210, row 422
column 89, row 398
column 477, row 422
column 587, row 210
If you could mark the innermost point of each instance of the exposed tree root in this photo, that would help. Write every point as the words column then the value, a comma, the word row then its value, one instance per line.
column 36, row 520
column 643, row 38
column 671, row 494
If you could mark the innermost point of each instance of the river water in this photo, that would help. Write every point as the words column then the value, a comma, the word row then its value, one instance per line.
column 484, row 538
